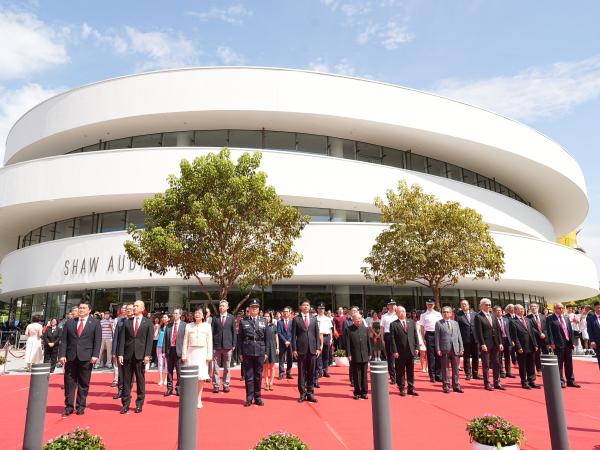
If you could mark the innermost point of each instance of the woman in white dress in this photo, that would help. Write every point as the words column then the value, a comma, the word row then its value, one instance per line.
column 34, row 353
column 197, row 349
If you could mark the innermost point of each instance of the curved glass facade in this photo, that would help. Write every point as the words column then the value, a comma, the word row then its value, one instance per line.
column 307, row 143
column 120, row 221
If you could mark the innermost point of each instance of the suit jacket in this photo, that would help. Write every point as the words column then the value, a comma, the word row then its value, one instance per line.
column 507, row 328
column 224, row 337
column 358, row 344
column 180, row 336
column 536, row 330
column 556, row 335
column 486, row 334
column 116, row 334
column 404, row 342
column 466, row 326
column 282, row 334
column 593, row 329
column 523, row 337
column 305, row 341
column 448, row 337
column 84, row 347
column 51, row 337
column 136, row 346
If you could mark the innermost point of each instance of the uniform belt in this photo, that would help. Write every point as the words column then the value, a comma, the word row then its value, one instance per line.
column 430, row 332
column 252, row 339
column 387, row 332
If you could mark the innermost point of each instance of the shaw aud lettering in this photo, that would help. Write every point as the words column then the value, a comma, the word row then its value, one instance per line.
column 92, row 264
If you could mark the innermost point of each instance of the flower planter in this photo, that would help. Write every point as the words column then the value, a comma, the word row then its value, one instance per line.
column 478, row 446
column 341, row 361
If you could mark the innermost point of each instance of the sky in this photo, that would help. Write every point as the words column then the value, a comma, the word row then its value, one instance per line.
column 537, row 62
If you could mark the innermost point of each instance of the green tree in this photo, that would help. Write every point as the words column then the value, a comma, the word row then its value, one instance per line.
column 431, row 243
column 220, row 219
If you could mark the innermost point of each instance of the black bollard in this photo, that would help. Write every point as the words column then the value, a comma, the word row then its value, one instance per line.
column 380, row 406
column 188, row 408
column 36, row 407
column 554, row 403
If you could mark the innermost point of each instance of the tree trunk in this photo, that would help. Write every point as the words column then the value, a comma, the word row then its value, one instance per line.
column 436, row 296
column 244, row 300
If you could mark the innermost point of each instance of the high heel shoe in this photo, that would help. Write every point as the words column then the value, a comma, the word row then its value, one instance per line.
column 200, row 405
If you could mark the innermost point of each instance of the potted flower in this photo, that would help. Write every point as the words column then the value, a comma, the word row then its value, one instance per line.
column 81, row 438
column 340, row 358
column 493, row 432
column 2, row 362
column 282, row 440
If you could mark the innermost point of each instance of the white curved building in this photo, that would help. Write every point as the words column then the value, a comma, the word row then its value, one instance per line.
column 78, row 166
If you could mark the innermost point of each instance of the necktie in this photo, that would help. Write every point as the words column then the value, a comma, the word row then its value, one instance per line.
column 449, row 326
column 501, row 320
column 468, row 317
column 80, row 327
column 223, row 321
column 489, row 318
column 285, row 325
column 404, row 325
column 539, row 323
column 137, row 325
column 523, row 322
column 564, row 327
column 306, row 321
column 174, row 337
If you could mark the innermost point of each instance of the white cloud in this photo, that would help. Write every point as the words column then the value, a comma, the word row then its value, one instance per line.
column 234, row 14
column 14, row 103
column 537, row 92
column 111, row 39
column 29, row 45
column 341, row 68
column 228, row 56
column 390, row 35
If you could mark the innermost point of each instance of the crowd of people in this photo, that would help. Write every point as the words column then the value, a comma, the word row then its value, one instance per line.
column 267, row 344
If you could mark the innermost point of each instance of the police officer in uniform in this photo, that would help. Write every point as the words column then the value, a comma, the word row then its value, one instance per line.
column 253, row 341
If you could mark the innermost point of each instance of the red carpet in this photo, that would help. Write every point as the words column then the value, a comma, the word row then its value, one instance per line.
column 432, row 421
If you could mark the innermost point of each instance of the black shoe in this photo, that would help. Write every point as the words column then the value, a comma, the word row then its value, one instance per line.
column 226, row 389
column 535, row 386
column 67, row 412
column 326, row 375
column 356, row 397
column 317, row 385
column 138, row 409
column 476, row 377
column 526, row 386
column 259, row 402
column 247, row 403
column 402, row 393
column 432, row 380
column 510, row 375
column 499, row 387
column 439, row 380
column 468, row 377
column 80, row 411
column 413, row 392
column 364, row 397
column 459, row 390
column 216, row 390
column 302, row 398
column 124, row 409
column 280, row 377
column 311, row 398
column 289, row 377
column 119, row 394
column 573, row 384
column 502, row 375
column 563, row 385
column 169, row 392
column 446, row 390
column 488, row 387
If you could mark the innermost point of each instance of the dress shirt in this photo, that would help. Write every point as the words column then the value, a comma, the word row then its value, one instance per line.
column 84, row 322
column 325, row 324
column 429, row 318
column 387, row 319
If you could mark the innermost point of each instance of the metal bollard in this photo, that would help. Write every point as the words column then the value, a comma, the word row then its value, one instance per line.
column 36, row 407
column 554, row 403
column 188, row 409
column 380, row 406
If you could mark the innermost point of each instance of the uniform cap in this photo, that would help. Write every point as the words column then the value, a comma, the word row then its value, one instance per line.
column 254, row 302
column 430, row 301
column 391, row 302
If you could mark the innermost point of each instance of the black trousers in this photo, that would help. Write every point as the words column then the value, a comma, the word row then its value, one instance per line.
column 391, row 363
column 286, row 360
column 359, row 378
column 77, row 375
column 453, row 359
column 565, row 360
column 526, row 363
column 405, row 371
column 120, row 376
column 50, row 356
column 173, row 363
column 542, row 349
column 253, row 372
column 323, row 359
column 306, row 373
column 433, row 360
column 491, row 358
column 133, row 367
column 154, row 357
column 471, row 358
column 505, row 356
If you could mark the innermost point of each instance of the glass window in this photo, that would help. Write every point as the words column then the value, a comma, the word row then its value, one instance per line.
column 342, row 215
column 56, row 305
column 393, row 157
column 35, row 236
column 317, row 294
column 25, row 310
column 311, row 143
column 74, row 298
column 370, row 217
column 83, row 226
column 453, row 172
column 316, row 214
column 26, row 239
column 376, row 297
column 113, row 221
column 178, row 139
column 147, row 140
column 118, row 143
column 280, row 296
column 341, row 148
column 280, row 140
column 482, row 181
column 64, row 229
column 368, row 153
column 245, row 138
column 104, row 298
column 436, row 167
column 47, row 232
column 92, row 148
column 211, row 138
column 136, row 217
column 469, row 177
column 417, row 162
column 404, row 296
column 503, row 189
column 38, row 305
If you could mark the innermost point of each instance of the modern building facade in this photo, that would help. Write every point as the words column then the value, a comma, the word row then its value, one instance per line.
column 78, row 166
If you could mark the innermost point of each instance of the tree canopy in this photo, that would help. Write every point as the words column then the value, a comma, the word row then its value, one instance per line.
column 431, row 243
column 219, row 219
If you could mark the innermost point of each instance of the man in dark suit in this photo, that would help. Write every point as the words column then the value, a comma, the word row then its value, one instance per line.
column 488, row 337
column 135, row 351
column 593, row 329
column 51, row 339
column 78, row 352
column 306, row 347
column 449, row 347
column 172, row 348
column 540, row 330
column 465, row 318
column 126, row 311
column 504, row 357
column 560, row 340
column 405, row 346
column 224, row 342
column 284, row 334
column 525, row 347
column 358, row 347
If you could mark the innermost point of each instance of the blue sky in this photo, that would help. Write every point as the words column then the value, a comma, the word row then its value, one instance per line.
column 537, row 62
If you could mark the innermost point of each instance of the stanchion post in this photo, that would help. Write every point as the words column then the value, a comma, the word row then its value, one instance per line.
column 188, row 408
column 380, row 406
column 554, row 403
column 36, row 407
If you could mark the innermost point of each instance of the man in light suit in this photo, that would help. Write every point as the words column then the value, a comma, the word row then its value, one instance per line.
column 593, row 328
column 449, row 346
column 224, row 342
column 284, row 334
column 306, row 347
column 561, row 341
column 172, row 349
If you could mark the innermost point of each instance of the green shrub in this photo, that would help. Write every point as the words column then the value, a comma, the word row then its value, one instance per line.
column 494, row 430
column 2, row 360
column 281, row 440
column 80, row 439
column 340, row 353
